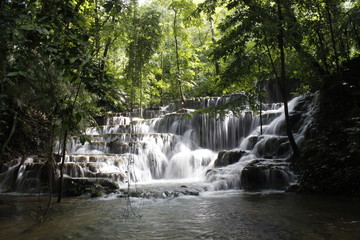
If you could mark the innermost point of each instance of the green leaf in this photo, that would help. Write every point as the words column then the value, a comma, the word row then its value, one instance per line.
column 72, row 60
column 82, row 140
column 43, row 31
column 78, row 117
column 24, row 74
column 28, row 27
column 12, row 74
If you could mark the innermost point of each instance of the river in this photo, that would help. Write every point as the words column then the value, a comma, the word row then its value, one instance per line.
column 230, row 214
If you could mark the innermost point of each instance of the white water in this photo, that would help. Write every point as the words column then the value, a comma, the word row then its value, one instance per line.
column 176, row 147
column 270, row 151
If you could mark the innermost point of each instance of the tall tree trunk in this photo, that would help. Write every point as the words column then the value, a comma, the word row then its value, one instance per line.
column 213, row 39
column 61, row 180
column 259, row 89
column 162, row 77
column 134, row 80
column 106, row 51
column 283, row 81
column 141, row 80
column 260, row 111
column 322, row 49
column 3, row 51
column 178, row 77
column 51, row 164
column 357, row 36
column 108, row 43
column 8, row 139
column 270, row 56
column 332, row 34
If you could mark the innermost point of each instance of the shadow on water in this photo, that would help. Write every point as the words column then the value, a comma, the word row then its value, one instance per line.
column 212, row 215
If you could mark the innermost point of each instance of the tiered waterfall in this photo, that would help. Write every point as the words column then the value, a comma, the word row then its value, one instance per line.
column 173, row 144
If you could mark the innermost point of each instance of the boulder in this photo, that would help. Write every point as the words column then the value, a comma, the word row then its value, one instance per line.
column 264, row 177
column 118, row 147
column 228, row 157
column 94, row 186
column 295, row 188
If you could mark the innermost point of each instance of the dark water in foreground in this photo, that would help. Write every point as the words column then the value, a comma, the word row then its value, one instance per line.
column 212, row 215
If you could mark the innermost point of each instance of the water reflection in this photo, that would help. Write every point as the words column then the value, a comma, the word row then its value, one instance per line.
column 217, row 215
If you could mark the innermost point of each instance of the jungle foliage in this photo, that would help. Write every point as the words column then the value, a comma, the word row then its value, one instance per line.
column 64, row 61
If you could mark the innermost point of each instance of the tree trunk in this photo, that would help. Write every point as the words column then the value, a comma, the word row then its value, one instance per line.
column 51, row 165
column 96, row 16
column 356, row 33
column 259, row 89
column 332, row 34
column 141, row 80
column 283, row 82
column 12, row 131
column 106, row 51
column 270, row 57
column 132, row 59
column 322, row 47
column 213, row 39
column 260, row 108
column 178, row 78
column 61, row 180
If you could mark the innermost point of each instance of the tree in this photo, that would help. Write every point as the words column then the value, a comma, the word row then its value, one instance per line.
column 180, row 8
column 283, row 80
column 144, row 40
column 52, row 72
column 248, row 29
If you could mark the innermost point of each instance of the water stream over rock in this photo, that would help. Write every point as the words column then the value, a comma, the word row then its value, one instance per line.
column 172, row 145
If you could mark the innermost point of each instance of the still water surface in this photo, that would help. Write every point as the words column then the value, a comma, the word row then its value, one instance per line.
column 212, row 215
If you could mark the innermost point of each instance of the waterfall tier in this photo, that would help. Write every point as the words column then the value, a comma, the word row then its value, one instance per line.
column 176, row 146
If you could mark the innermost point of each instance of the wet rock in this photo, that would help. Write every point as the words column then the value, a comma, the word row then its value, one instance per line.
column 118, row 147
column 264, row 177
column 100, row 120
column 228, row 157
column 251, row 142
column 3, row 168
column 284, row 149
column 165, row 194
column 295, row 188
column 94, row 186
column 184, row 110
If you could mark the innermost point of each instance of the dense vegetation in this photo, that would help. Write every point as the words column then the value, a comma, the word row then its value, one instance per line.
column 64, row 61
column 330, row 159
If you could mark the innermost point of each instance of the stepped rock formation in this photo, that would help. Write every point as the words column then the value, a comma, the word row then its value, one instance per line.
column 172, row 145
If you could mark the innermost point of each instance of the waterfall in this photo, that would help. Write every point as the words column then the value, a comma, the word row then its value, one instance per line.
column 173, row 145
column 264, row 164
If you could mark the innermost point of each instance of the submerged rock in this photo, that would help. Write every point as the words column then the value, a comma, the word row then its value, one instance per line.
column 164, row 194
column 94, row 186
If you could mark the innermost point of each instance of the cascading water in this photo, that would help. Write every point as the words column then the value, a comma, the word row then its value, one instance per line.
column 176, row 146
column 264, row 163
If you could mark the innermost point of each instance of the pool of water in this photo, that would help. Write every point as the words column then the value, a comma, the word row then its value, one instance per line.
column 212, row 215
